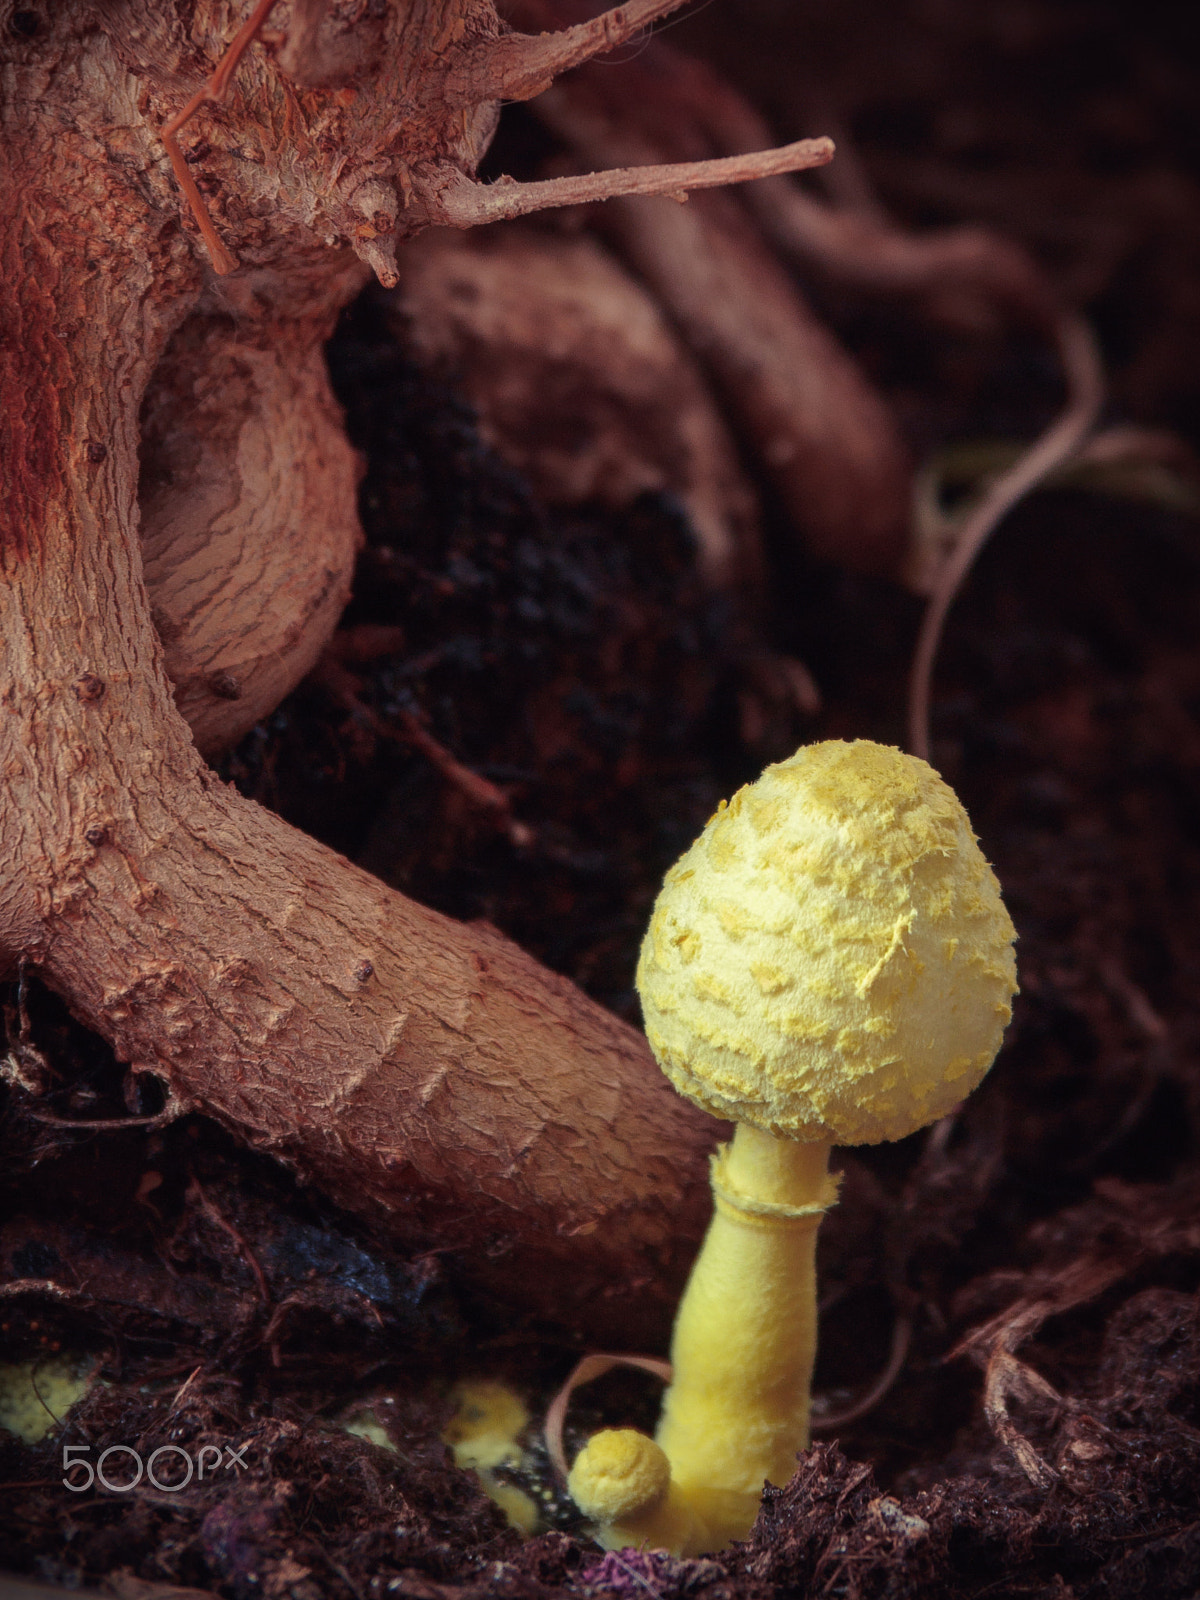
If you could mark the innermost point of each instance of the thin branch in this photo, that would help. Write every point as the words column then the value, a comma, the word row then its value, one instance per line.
column 332, row 672
column 215, row 89
column 171, row 1112
column 866, row 1403
column 1084, row 376
column 25, row 1064
column 1007, row 1378
column 584, row 1371
column 968, row 267
column 478, row 790
column 616, row 1557
column 464, row 204
column 521, row 65
column 215, row 1216
column 53, row 1291
column 183, row 1389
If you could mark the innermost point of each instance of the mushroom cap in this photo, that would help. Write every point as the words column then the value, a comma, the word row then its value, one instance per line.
column 831, row 961
column 619, row 1473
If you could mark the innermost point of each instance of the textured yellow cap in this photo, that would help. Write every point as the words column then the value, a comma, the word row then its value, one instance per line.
column 831, row 960
column 619, row 1473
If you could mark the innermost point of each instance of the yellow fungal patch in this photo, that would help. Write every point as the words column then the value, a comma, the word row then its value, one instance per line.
column 519, row 1507
column 35, row 1396
column 708, row 986
column 364, row 1425
column 734, row 919
column 882, row 1027
column 484, row 1434
column 487, row 1420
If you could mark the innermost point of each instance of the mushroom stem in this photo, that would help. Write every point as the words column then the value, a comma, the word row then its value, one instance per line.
column 745, row 1336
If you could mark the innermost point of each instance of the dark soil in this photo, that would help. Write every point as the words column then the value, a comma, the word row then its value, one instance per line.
column 1041, row 1250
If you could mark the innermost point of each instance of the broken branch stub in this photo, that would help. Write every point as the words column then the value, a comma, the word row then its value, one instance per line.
column 464, row 204
column 429, row 1076
column 519, row 66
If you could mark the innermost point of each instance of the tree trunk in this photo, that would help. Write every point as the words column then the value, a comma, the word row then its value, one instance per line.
column 428, row 1075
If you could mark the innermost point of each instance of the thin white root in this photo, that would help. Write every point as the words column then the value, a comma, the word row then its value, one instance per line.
column 594, row 1366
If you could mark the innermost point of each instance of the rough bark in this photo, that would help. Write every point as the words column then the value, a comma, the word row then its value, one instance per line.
column 247, row 490
column 428, row 1075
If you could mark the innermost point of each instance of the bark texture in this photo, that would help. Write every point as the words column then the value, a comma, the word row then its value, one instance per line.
column 428, row 1075
column 247, row 492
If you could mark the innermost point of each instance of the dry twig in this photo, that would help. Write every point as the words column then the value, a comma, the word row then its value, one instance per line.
column 1143, row 1224
column 1084, row 378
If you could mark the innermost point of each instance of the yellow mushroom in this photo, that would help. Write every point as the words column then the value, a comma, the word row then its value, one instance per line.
column 830, row 963
column 622, row 1481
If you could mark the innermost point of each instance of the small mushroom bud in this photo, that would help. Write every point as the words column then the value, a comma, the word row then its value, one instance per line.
column 830, row 963
column 621, row 1480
